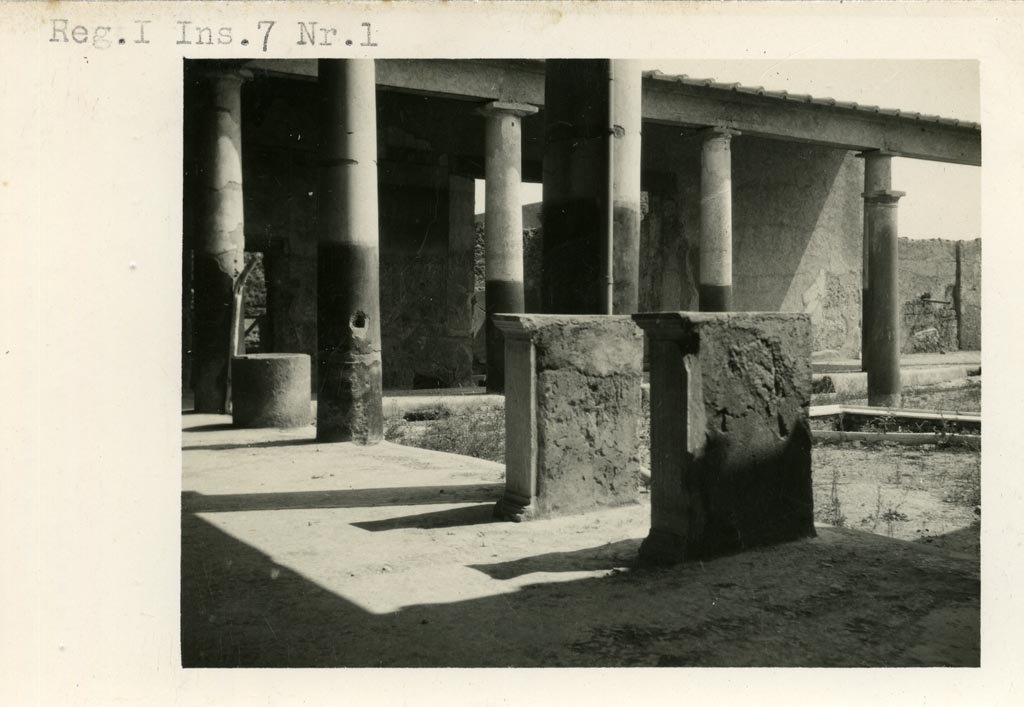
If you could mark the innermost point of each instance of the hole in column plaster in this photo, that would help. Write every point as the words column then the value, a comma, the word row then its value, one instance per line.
column 358, row 320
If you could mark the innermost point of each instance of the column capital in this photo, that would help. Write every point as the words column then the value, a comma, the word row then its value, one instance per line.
column 883, row 196
column 876, row 153
column 499, row 108
column 717, row 131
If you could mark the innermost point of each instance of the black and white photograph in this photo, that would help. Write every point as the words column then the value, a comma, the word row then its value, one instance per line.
column 632, row 337
column 633, row 368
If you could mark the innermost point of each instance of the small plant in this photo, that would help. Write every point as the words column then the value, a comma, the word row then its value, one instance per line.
column 832, row 513
column 887, row 513
column 480, row 433
column 875, row 517
column 965, row 489
column 891, row 517
column 395, row 429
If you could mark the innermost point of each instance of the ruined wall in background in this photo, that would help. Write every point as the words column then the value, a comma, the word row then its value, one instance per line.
column 940, row 295
column 927, row 286
column 970, row 295
column 797, row 225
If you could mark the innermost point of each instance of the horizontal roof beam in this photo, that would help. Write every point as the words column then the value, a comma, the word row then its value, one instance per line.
column 675, row 103
column 843, row 128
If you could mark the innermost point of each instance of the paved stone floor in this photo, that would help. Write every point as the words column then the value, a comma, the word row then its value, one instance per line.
column 299, row 554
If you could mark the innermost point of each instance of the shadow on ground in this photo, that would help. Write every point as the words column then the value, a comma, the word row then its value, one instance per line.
column 603, row 557
column 450, row 518
column 243, row 445
column 347, row 498
column 844, row 599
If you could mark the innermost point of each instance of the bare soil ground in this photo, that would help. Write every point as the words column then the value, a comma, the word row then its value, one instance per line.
column 908, row 493
column 303, row 554
column 296, row 553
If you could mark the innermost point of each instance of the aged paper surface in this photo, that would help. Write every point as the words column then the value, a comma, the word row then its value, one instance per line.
column 90, row 227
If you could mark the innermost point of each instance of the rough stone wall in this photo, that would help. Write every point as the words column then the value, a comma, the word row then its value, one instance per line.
column 797, row 236
column 730, row 441
column 588, row 409
column 970, row 295
column 927, row 286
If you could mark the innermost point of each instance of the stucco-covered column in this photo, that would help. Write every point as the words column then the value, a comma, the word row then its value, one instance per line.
column 348, row 292
column 877, row 177
column 883, row 344
column 503, row 226
column 716, row 220
column 626, row 95
column 575, row 211
column 220, row 238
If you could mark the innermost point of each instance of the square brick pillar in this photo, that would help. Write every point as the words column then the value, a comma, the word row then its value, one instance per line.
column 572, row 410
column 730, row 442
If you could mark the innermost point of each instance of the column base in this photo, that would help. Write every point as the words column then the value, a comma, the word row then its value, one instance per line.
column 885, row 400
column 715, row 298
column 513, row 507
column 662, row 548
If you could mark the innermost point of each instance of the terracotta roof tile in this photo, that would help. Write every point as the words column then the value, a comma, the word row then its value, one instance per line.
column 805, row 98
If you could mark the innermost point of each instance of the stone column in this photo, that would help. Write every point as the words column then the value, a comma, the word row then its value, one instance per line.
column 877, row 177
column 575, row 212
column 219, row 251
column 503, row 226
column 883, row 344
column 730, row 440
column 716, row 221
column 349, row 404
column 572, row 411
column 626, row 94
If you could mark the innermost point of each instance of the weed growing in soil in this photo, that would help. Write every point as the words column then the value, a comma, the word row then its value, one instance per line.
column 886, row 513
column 832, row 511
column 480, row 433
column 965, row 486
column 955, row 396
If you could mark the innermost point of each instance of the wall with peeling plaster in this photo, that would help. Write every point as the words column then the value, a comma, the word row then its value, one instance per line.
column 940, row 295
column 797, row 223
column 797, row 244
